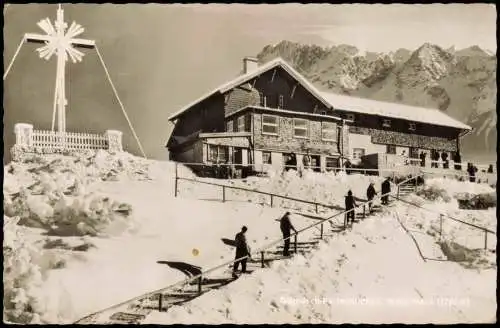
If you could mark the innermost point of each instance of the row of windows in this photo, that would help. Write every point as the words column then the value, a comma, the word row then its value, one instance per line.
column 331, row 162
column 270, row 125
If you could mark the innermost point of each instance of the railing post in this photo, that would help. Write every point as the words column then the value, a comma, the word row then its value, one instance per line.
column 262, row 259
column 199, row 284
column 271, row 200
column 160, row 302
column 440, row 226
column 295, row 243
column 321, row 232
column 364, row 211
column 485, row 240
column 316, row 204
column 223, row 194
column 176, row 179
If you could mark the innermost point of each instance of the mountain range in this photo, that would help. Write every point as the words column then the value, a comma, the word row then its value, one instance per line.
column 462, row 83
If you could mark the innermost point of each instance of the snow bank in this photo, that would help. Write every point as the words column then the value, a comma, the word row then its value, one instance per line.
column 324, row 188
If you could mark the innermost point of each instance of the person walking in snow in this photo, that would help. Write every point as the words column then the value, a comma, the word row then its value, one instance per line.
column 350, row 204
column 386, row 188
column 242, row 250
column 370, row 194
column 286, row 227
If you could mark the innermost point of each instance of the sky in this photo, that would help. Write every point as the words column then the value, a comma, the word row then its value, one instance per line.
column 162, row 57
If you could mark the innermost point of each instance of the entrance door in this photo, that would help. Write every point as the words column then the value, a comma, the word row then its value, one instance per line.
column 315, row 163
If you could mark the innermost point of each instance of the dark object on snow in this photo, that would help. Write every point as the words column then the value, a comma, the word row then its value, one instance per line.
column 242, row 250
column 490, row 168
column 286, row 227
column 186, row 268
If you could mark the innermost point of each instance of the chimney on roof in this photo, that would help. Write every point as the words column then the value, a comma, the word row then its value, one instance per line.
column 250, row 64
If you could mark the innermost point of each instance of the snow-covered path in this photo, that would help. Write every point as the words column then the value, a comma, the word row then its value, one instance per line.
column 372, row 274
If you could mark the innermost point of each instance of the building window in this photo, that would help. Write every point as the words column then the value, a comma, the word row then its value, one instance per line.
column 328, row 131
column 391, row 149
column 212, row 153
column 266, row 157
column 413, row 152
column 281, row 102
column 218, row 154
column 350, row 117
column 300, row 128
column 412, row 126
column 263, row 99
column 331, row 163
column 386, row 123
column 229, row 126
column 357, row 153
column 241, row 123
column 323, row 112
column 269, row 124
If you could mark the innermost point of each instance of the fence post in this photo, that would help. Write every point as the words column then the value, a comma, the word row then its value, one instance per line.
column 160, row 302
column 176, row 179
column 440, row 226
column 199, row 284
column 271, row 200
column 262, row 259
column 295, row 243
column 223, row 194
column 316, row 204
column 321, row 233
column 364, row 211
column 485, row 240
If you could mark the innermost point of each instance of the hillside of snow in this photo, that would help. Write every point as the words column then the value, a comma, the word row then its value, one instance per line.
column 84, row 232
column 370, row 274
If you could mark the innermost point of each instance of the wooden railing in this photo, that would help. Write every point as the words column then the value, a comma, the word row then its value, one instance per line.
column 443, row 216
column 69, row 140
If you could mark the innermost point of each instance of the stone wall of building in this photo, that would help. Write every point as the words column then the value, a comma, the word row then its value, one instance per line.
column 388, row 137
column 285, row 141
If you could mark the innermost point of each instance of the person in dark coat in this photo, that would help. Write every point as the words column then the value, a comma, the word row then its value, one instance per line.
column 350, row 203
column 457, row 159
column 422, row 159
column 444, row 157
column 242, row 249
column 286, row 227
column 490, row 168
column 370, row 193
column 435, row 158
column 472, row 172
column 386, row 188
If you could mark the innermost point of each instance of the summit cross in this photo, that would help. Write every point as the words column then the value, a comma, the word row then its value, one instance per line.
column 62, row 43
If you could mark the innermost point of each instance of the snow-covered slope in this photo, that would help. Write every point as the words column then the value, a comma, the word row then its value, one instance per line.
column 372, row 274
column 85, row 232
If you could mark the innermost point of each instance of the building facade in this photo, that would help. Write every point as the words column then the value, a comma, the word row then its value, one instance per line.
column 271, row 111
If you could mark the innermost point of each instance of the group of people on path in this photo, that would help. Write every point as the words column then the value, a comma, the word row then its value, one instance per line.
column 243, row 251
column 350, row 202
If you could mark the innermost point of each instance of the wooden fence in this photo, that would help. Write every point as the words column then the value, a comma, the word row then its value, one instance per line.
column 73, row 141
